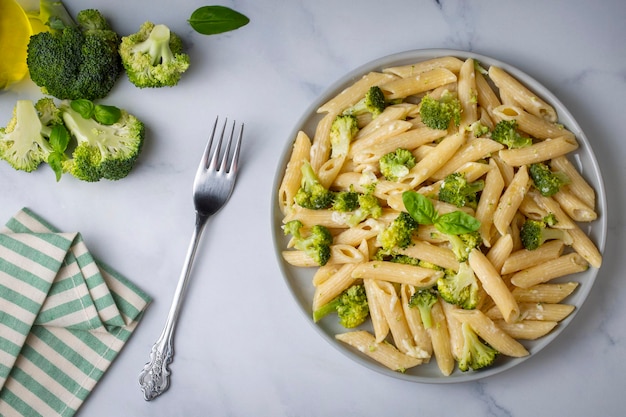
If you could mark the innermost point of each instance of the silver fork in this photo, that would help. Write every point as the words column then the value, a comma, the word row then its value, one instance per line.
column 212, row 187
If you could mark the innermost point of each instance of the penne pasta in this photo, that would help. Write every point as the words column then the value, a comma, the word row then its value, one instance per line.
column 399, row 273
column 381, row 352
column 561, row 266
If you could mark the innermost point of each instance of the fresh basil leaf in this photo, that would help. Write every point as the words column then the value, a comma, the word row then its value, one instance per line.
column 59, row 138
column 107, row 115
column 419, row 207
column 83, row 107
column 55, row 160
column 457, row 223
column 211, row 20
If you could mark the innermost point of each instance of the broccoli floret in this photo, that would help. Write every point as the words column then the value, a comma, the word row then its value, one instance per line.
column 342, row 132
column 475, row 354
column 102, row 151
column 548, row 182
column 460, row 288
column 153, row 57
column 316, row 244
column 312, row 194
column 505, row 132
column 534, row 233
column 374, row 103
column 399, row 233
column 369, row 206
column 455, row 189
column 351, row 307
column 396, row 165
column 424, row 299
column 478, row 129
column 345, row 201
column 73, row 60
column 439, row 113
column 22, row 143
column 463, row 244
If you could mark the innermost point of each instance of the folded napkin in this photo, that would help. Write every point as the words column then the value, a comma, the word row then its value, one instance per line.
column 64, row 317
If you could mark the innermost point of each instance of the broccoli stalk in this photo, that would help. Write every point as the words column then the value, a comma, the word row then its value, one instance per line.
column 505, row 132
column 312, row 194
column 373, row 103
column 396, row 165
column 460, row 288
column 439, row 113
column 342, row 131
column 455, row 189
column 316, row 244
column 424, row 299
column 545, row 180
column 351, row 307
column 153, row 57
column 475, row 354
column 534, row 233
column 399, row 233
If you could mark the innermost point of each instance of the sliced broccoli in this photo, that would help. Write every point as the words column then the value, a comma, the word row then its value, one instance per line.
column 345, row 201
column 439, row 113
column 460, row 288
column 22, row 143
column 534, row 233
column 505, row 132
column 548, row 182
column 455, row 189
column 399, row 233
column 369, row 206
column 74, row 60
column 373, row 103
column 102, row 151
column 312, row 194
column 396, row 165
column 424, row 299
column 316, row 244
column 351, row 307
column 342, row 132
column 475, row 354
column 153, row 57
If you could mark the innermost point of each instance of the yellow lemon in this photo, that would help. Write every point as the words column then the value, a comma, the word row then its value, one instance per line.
column 15, row 32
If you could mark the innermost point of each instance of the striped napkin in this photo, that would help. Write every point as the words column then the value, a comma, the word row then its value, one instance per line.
column 64, row 317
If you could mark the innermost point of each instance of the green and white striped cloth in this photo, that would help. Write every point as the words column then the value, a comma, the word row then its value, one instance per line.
column 64, row 317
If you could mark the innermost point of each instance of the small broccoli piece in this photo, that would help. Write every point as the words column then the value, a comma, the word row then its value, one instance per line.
column 22, row 143
column 342, row 132
column 478, row 129
column 153, row 57
column 424, row 299
column 396, row 165
column 463, row 244
column 455, row 189
column 548, row 182
column 312, row 194
column 73, row 61
column 373, row 103
column 316, row 244
column 369, row 206
column 505, row 132
column 439, row 113
column 351, row 307
column 399, row 233
column 102, row 151
column 49, row 114
column 475, row 354
column 460, row 288
column 345, row 201
column 535, row 233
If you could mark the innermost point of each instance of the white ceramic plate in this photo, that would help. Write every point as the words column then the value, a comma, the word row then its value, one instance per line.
column 299, row 279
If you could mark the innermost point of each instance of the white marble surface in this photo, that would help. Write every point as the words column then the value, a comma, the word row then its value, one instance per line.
column 243, row 348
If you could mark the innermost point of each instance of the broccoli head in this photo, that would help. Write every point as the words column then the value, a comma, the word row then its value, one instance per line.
column 373, row 103
column 351, row 307
column 455, row 189
column 342, row 131
column 75, row 61
column 460, row 288
column 345, row 201
column 312, row 194
column 505, row 132
column 22, row 143
column 424, row 299
column 153, row 57
column 439, row 113
column 463, row 244
column 106, row 151
column 316, row 244
column 396, row 165
column 369, row 207
column 399, row 233
column 545, row 180
column 534, row 233
column 475, row 354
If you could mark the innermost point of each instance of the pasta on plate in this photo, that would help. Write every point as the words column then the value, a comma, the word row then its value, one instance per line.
column 523, row 294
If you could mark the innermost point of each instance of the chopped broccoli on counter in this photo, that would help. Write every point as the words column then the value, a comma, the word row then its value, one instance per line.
column 535, row 233
column 460, row 288
column 505, row 132
column 424, row 299
column 439, row 113
column 374, row 103
column 396, row 165
column 316, row 244
column 475, row 354
column 342, row 132
column 545, row 180
column 351, row 307
column 312, row 194
column 455, row 189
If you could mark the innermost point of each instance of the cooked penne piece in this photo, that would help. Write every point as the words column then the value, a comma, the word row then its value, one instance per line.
column 537, row 311
column 400, row 273
column 578, row 185
column 421, row 338
column 526, row 329
column 410, row 140
column 382, row 352
column 523, row 258
column 488, row 202
column 379, row 322
column 433, row 254
column 545, row 293
column 354, row 93
column 434, row 160
column 290, row 183
column 535, row 126
column 510, row 200
column 500, row 251
column 450, row 63
column 467, row 94
column 440, row 338
column 420, row 83
column 570, row 263
column 539, row 151
column 333, row 286
column 320, row 149
column 575, row 208
column 473, row 150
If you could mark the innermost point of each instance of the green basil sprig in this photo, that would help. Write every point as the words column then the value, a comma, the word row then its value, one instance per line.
column 423, row 211
column 59, row 139
column 211, row 20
